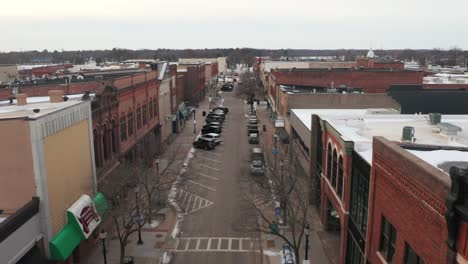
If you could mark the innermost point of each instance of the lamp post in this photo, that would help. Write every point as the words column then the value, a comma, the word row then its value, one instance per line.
column 276, row 150
column 102, row 237
column 307, row 234
column 194, row 121
column 157, row 181
column 137, row 199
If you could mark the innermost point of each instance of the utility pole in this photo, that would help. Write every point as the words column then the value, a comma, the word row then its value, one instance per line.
column 194, row 121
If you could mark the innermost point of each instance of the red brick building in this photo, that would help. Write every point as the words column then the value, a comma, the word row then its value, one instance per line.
column 391, row 191
column 195, row 80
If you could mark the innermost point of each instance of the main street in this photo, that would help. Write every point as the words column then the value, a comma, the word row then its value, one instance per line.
column 213, row 198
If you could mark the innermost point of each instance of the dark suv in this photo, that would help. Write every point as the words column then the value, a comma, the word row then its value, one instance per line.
column 204, row 143
column 206, row 130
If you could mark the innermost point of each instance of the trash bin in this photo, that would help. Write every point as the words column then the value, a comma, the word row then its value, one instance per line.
column 129, row 260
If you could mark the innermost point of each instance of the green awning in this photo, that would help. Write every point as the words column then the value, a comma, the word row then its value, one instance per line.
column 100, row 202
column 63, row 244
column 71, row 235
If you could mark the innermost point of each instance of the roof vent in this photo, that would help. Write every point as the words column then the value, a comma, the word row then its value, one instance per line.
column 435, row 118
column 408, row 133
column 449, row 129
column 21, row 99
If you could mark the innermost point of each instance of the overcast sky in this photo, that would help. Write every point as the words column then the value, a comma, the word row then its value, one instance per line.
column 307, row 24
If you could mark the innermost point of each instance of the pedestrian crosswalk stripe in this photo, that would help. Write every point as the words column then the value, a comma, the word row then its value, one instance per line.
column 215, row 244
column 190, row 202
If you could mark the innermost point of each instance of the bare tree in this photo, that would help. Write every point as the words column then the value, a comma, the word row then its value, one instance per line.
column 248, row 87
column 128, row 214
column 284, row 189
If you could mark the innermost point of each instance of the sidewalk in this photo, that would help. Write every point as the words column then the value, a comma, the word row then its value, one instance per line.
column 155, row 239
column 318, row 240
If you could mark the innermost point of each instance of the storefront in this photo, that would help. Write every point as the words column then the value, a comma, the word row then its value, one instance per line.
column 180, row 117
column 83, row 218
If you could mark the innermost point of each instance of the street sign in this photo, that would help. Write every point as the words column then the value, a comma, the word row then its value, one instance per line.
column 276, row 151
column 274, row 228
column 277, row 211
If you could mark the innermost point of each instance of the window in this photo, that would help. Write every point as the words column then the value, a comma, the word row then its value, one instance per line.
column 335, row 169
column 411, row 257
column 138, row 117
column 329, row 161
column 151, row 109
column 339, row 185
column 155, row 107
column 123, row 128
column 130, row 123
column 145, row 114
column 359, row 195
column 387, row 240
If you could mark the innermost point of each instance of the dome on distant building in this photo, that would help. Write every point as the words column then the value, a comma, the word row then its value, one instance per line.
column 370, row 54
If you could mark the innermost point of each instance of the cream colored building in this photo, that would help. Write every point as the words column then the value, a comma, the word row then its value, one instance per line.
column 46, row 150
column 8, row 73
column 167, row 82
column 222, row 62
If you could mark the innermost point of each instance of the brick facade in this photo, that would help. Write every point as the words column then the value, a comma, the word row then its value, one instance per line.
column 411, row 196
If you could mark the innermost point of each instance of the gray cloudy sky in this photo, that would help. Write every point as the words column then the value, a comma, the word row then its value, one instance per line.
column 313, row 24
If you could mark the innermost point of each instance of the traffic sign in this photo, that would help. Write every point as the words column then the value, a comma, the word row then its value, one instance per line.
column 277, row 211
column 276, row 151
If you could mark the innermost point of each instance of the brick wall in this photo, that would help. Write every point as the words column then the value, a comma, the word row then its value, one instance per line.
column 371, row 81
column 411, row 196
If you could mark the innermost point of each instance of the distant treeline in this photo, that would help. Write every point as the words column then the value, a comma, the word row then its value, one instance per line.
column 454, row 56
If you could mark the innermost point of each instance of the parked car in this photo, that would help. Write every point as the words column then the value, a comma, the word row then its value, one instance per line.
column 205, row 126
column 210, row 119
column 253, row 138
column 224, row 109
column 253, row 121
column 217, row 115
column 228, row 87
column 252, row 129
column 204, row 143
column 213, row 124
column 216, row 137
column 206, row 130
column 257, row 162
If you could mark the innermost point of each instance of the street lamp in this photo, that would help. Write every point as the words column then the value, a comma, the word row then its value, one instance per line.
column 307, row 234
column 137, row 199
column 102, row 237
column 157, row 181
column 194, row 122
column 276, row 150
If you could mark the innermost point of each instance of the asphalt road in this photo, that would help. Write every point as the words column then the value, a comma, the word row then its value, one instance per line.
column 214, row 198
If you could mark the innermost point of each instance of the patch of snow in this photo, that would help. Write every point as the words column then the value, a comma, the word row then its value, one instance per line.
column 2, row 219
column 271, row 253
column 166, row 258
column 438, row 157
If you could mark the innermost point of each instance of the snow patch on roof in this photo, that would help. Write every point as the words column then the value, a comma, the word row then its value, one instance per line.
column 438, row 157
column 163, row 71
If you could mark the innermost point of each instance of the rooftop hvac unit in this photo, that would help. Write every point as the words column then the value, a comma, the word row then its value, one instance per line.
column 435, row 118
column 408, row 133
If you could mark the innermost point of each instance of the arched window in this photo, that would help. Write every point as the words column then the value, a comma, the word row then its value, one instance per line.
column 123, row 128
column 329, row 161
column 145, row 114
column 339, row 185
column 155, row 107
column 333, row 176
column 138, row 117
column 151, row 108
column 130, row 123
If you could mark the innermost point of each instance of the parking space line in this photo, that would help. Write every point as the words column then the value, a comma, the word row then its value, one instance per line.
column 206, row 166
column 207, row 176
column 217, row 161
column 209, row 188
column 210, row 152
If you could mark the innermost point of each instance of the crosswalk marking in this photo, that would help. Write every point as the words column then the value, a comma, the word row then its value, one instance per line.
column 190, row 202
column 214, row 244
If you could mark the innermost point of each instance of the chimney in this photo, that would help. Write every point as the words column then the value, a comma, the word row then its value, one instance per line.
column 56, row 96
column 21, row 99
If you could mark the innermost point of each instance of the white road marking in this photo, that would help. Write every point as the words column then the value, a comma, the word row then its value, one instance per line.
column 194, row 203
column 207, row 176
column 204, row 186
column 208, row 248
column 206, row 166
column 217, row 161
column 210, row 152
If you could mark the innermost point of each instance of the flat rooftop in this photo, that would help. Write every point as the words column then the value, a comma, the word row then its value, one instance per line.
column 361, row 125
column 13, row 111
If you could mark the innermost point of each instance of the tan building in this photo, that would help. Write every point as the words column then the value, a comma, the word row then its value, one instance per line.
column 167, row 84
column 46, row 150
column 222, row 62
column 8, row 73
